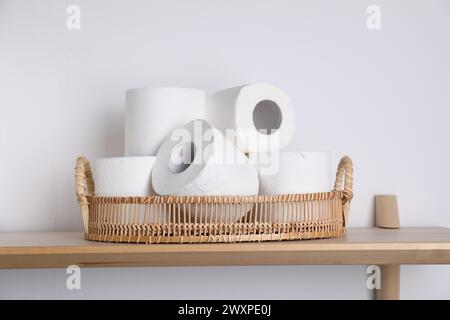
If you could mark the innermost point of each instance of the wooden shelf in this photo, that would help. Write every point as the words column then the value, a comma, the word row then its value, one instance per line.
column 360, row 246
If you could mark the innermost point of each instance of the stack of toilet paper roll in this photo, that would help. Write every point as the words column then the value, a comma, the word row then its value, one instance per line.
column 178, row 142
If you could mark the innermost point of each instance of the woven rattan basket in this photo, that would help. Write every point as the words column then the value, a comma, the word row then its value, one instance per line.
column 195, row 219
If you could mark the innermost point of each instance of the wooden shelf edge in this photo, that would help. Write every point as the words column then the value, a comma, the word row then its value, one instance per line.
column 361, row 246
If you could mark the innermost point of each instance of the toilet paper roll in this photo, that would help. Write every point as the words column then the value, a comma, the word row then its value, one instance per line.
column 197, row 160
column 152, row 113
column 257, row 117
column 123, row 176
column 291, row 173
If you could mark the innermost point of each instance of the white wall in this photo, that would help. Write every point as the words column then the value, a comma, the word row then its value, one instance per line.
column 382, row 97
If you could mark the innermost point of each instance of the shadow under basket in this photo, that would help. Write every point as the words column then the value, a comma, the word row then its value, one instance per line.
column 199, row 219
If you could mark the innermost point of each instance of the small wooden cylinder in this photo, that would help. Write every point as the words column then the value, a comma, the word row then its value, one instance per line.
column 386, row 212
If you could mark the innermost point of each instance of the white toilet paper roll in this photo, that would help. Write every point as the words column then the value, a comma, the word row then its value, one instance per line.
column 257, row 117
column 197, row 160
column 123, row 176
column 293, row 172
column 152, row 113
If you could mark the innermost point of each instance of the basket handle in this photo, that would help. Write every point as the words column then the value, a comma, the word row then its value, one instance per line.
column 344, row 183
column 85, row 187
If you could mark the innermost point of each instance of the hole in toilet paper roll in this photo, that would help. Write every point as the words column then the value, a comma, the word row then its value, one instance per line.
column 181, row 157
column 267, row 117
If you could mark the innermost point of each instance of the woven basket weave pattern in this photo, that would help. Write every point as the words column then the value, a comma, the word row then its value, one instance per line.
column 195, row 219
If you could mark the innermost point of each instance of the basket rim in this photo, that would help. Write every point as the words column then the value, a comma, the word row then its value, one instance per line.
column 212, row 199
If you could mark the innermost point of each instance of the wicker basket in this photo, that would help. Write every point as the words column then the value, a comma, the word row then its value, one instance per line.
column 196, row 219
